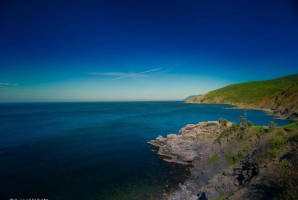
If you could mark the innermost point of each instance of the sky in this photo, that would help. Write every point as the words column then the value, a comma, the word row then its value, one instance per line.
column 118, row 50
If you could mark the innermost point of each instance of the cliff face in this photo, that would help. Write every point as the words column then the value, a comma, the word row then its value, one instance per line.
column 286, row 103
column 186, row 146
column 232, row 161
column 279, row 96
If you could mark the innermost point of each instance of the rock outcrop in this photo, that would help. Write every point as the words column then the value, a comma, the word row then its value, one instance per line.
column 191, row 143
column 227, row 160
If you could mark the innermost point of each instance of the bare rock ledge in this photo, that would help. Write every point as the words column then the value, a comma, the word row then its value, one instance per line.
column 190, row 144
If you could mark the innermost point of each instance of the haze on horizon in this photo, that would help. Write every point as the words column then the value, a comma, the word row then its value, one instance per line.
column 107, row 50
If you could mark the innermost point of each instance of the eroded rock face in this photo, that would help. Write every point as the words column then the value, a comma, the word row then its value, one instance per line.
column 195, row 145
column 230, row 162
column 189, row 144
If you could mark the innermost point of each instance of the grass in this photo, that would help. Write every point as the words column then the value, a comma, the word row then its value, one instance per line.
column 224, row 196
column 223, row 121
column 270, row 145
column 213, row 159
column 238, row 157
column 259, row 127
column 245, row 137
column 228, row 131
column 276, row 144
column 258, row 93
column 284, row 181
column 229, row 158
column 260, row 130
column 206, row 136
column 221, row 197
column 293, row 125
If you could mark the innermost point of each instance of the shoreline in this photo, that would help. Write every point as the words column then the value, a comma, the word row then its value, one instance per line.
column 228, row 160
column 243, row 107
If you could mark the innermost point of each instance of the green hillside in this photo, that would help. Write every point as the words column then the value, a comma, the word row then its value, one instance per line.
column 190, row 97
column 278, row 95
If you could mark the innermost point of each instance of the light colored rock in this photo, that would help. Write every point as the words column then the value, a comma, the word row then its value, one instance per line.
column 185, row 147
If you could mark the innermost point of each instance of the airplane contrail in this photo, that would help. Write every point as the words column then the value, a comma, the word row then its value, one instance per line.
column 137, row 74
column 122, row 75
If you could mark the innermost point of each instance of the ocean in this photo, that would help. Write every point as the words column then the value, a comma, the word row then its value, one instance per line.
column 96, row 150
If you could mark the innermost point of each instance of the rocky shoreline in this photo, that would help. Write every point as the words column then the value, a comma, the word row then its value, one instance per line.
column 223, row 166
column 273, row 112
column 278, row 96
column 185, row 147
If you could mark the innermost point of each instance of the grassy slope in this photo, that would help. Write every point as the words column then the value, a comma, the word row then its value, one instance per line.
column 280, row 95
column 275, row 150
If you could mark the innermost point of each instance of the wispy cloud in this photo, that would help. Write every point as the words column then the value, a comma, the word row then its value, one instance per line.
column 5, row 85
column 8, row 84
column 108, row 73
column 121, row 75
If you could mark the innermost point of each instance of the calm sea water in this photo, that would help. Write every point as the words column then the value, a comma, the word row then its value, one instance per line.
column 94, row 150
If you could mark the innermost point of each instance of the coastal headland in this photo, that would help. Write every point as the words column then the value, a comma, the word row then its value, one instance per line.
column 278, row 97
column 233, row 161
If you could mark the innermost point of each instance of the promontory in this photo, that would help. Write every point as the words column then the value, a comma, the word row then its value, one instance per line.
column 278, row 96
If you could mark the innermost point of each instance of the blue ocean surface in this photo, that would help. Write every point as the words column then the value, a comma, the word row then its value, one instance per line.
column 95, row 150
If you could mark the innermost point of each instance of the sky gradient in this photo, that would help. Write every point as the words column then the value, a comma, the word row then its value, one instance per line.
column 58, row 50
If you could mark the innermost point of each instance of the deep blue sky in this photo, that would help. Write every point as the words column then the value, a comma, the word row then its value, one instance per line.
column 127, row 50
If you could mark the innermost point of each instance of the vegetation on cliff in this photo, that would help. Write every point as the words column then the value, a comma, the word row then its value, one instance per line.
column 278, row 95
column 235, row 161
column 271, row 150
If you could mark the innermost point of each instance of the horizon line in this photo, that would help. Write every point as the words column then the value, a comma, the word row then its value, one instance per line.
column 92, row 101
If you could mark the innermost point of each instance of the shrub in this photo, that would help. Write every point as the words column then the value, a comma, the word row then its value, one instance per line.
column 261, row 132
column 272, row 125
column 243, row 127
column 213, row 159
column 241, row 120
column 249, row 123
column 273, row 153
column 294, row 138
column 229, row 159
column 281, row 132
column 276, row 143
column 234, row 127
column 284, row 180
column 239, row 156
column 223, row 121
column 224, row 133
column 224, row 196
column 293, row 125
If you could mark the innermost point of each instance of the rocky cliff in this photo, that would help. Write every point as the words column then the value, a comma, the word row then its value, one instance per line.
column 231, row 161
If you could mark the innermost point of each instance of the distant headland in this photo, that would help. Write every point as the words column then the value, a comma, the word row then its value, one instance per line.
column 277, row 96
